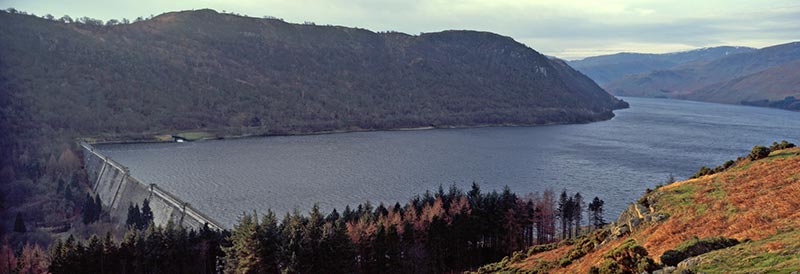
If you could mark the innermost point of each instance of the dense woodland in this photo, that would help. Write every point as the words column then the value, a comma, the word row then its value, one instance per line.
column 433, row 233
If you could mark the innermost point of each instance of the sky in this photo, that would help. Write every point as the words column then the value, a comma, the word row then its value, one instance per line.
column 569, row 29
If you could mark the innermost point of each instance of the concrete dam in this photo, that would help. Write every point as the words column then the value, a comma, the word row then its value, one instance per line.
column 118, row 190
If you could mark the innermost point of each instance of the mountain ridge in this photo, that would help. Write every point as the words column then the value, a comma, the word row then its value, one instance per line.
column 745, row 78
column 607, row 68
column 203, row 71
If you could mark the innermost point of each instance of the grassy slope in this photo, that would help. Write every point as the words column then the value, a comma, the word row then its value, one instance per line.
column 751, row 200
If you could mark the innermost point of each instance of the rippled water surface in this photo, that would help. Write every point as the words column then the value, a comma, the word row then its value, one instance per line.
column 615, row 160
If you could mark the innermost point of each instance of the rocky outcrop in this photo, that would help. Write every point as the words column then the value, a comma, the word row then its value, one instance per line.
column 637, row 214
column 695, row 247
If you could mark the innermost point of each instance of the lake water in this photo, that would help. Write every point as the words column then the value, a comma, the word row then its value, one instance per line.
column 615, row 160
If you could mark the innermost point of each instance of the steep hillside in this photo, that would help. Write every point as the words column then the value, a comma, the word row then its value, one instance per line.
column 743, row 219
column 771, row 85
column 206, row 71
column 735, row 78
column 608, row 68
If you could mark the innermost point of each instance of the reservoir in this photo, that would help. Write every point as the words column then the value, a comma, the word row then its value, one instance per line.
column 615, row 160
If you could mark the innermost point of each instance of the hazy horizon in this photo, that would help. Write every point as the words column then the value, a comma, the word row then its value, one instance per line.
column 565, row 29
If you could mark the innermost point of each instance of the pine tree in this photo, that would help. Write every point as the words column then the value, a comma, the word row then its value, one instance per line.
column 562, row 212
column 312, row 238
column 88, row 213
column 32, row 259
column 19, row 224
column 93, row 254
column 596, row 208
column 98, row 207
column 270, row 237
column 146, row 216
column 568, row 213
column 244, row 254
column 57, row 261
column 109, row 252
column 348, row 214
column 333, row 216
column 134, row 216
column 392, row 249
column 378, row 256
column 577, row 212
column 293, row 246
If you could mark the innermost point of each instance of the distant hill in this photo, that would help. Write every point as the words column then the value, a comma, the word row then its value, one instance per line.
column 750, row 78
column 608, row 68
column 770, row 85
column 207, row 71
column 744, row 219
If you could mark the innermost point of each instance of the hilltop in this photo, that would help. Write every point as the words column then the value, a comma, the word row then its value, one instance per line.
column 764, row 77
column 743, row 218
column 212, row 72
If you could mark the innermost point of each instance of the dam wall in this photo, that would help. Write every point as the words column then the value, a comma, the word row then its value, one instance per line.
column 118, row 190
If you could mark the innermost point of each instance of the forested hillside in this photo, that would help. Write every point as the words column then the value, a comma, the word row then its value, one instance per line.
column 206, row 71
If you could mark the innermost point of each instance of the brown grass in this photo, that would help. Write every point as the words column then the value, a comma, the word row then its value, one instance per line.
column 550, row 255
column 745, row 202
column 774, row 246
column 751, row 200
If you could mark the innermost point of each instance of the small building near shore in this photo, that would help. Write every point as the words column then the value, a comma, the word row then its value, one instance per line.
column 178, row 139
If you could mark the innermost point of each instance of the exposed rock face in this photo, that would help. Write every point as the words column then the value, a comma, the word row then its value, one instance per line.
column 642, row 212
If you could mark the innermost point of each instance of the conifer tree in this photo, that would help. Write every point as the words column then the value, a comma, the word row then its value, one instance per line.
column 562, row 212
column 147, row 215
column 134, row 216
column 596, row 208
column 88, row 210
column 19, row 224
column 244, row 254
column 577, row 212
column 98, row 207
column 270, row 237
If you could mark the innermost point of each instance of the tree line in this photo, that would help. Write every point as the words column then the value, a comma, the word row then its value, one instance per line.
column 170, row 249
column 436, row 232
column 112, row 22
column 81, row 20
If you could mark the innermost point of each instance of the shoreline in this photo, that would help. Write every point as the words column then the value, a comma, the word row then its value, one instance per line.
column 238, row 133
column 152, row 138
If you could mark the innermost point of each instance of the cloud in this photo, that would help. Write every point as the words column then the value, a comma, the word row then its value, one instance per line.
column 565, row 28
